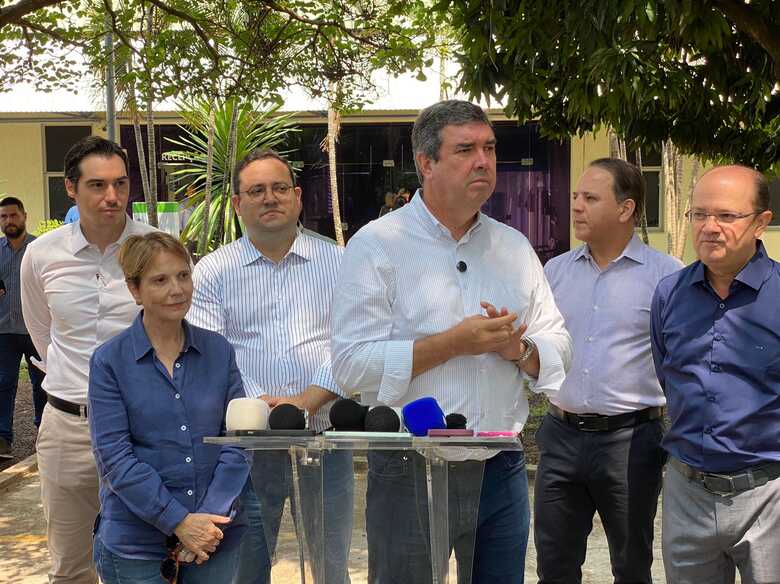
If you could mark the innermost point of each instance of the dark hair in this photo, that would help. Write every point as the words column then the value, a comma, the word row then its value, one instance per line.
column 259, row 154
column 426, row 132
column 762, row 192
column 627, row 182
column 7, row 201
column 91, row 145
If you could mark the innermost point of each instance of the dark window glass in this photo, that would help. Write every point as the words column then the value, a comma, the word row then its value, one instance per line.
column 59, row 201
column 774, row 201
column 653, row 197
column 59, row 139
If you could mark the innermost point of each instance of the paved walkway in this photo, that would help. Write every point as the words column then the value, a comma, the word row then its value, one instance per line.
column 25, row 560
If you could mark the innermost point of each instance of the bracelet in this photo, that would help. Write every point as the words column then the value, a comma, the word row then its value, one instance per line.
column 530, row 348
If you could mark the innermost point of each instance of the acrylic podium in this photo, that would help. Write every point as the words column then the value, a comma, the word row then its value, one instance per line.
column 437, row 475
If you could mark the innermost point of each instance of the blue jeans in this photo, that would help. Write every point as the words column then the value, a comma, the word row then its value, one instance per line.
column 397, row 524
column 12, row 349
column 327, row 515
column 113, row 569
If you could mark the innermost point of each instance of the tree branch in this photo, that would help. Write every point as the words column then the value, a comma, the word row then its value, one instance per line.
column 747, row 20
column 11, row 14
column 194, row 23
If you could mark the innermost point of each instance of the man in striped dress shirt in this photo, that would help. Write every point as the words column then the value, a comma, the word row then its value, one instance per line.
column 269, row 294
column 438, row 299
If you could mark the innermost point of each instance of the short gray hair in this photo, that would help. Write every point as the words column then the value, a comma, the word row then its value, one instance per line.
column 426, row 133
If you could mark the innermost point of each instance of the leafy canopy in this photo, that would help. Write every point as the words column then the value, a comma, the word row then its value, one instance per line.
column 705, row 74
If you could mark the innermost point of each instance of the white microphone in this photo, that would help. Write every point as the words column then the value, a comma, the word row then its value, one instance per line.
column 247, row 413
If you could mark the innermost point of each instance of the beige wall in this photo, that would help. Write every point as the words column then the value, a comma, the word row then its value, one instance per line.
column 593, row 146
column 21, row 167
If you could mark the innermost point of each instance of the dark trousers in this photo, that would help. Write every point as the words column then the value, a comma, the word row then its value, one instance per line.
column 618, row 475
column 12, row 349
column 397, row 525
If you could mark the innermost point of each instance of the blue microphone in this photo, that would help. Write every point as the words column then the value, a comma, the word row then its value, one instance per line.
column 422, row 415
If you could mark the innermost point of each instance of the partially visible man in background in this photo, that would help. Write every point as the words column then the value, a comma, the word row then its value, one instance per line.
column 15, row 342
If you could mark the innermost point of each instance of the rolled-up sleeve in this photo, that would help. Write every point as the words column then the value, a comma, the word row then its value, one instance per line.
column 232, row 467
column 136, row 483
column 364, row 357
column 547, row 329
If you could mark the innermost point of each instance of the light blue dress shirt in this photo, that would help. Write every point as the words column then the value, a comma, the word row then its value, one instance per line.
column 607, row 314
column 276, row 315
column 147, row 433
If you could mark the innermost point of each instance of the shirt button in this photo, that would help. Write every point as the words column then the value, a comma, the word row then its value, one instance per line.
column 585, row 372
column 715, row 367
column 708, row 430
column 184, row 428
column 189, row 492
column 710, row 398
column 178, row 365
column 721, row 306
column 177, row 396
column 589, row 339
column 595, row 307
column 188, row 459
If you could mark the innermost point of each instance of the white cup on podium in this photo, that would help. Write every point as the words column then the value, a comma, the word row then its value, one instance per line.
column 247, row 413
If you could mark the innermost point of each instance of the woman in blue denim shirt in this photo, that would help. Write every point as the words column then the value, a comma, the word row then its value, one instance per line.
column 168, row 501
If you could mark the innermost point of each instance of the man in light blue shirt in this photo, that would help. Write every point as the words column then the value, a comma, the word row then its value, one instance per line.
column 600, row 442
column 269, row 294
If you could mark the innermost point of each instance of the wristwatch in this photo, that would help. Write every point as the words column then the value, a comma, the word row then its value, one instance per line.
column 530, row 347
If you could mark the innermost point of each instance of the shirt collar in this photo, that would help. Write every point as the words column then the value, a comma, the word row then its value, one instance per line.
column 79, row 242
column 432, row 225
column 142, row 345
column 302, row 246
column 753, row 274
column 28, row 238
column 635, row 250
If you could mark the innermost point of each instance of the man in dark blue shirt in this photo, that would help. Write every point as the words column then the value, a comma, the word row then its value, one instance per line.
column 716, row 346
column 15, row 341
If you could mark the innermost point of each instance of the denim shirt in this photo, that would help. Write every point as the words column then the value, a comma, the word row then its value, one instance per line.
column 147, row 433
column 718, row 361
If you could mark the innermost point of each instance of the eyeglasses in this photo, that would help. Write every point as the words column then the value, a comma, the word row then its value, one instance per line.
column 258, row 191
column 720, row 218
column 169, row 567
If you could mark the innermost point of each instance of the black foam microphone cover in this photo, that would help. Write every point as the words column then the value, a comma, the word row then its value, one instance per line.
column 382, row 419
column 456, row 422
column 347, row 415
column 286, row 417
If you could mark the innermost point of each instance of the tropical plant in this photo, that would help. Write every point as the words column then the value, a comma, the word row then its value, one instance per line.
column 238, row 129
column 46, row 225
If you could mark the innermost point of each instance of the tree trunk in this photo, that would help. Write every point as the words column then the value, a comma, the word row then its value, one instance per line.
column 676, row 200
column 151, row 199
column 203, row 240
column 643, row 210
column 132, row 103
column 225, row 226
column 333, row 132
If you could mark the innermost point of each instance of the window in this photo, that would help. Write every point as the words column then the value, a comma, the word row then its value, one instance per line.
column 651, row 170
column 774, row 201
column 57, row 141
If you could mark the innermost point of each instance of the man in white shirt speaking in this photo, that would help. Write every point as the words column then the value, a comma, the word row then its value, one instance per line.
column 74, row 299
column 438, row 299
column 269, row 294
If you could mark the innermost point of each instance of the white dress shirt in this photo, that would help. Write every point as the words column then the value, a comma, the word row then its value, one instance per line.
column 276, row 316
column 399, row 282
column 607, row 313
column 74, row 299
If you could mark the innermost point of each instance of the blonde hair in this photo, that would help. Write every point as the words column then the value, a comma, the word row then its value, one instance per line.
column 137, row 252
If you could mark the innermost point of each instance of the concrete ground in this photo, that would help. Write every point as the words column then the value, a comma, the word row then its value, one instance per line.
column 25, row 560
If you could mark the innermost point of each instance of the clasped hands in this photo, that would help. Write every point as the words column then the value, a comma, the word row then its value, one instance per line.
column 199, row 534
column 492, row 332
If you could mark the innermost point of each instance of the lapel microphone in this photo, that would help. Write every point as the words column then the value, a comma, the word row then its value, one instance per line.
column 462, row 267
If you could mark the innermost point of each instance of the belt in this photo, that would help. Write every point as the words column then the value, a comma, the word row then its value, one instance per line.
column 599, row 423
column 67, row 407
column 729, row 483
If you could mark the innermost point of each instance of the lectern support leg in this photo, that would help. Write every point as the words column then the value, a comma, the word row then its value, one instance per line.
column 438, row 517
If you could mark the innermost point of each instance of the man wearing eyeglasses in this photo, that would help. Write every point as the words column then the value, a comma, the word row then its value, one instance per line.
column 74, row 299
column 716, row 345
column 269, row 294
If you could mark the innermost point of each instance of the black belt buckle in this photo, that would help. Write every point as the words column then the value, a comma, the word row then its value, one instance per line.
column 592, row 423
column 719, row 484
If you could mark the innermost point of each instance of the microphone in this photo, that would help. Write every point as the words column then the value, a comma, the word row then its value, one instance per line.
column 456, row 421
column 382, row 419
column 286, row 417
column 246, row 413
column 422, row 415
column 346, row 415
column 461, row 265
